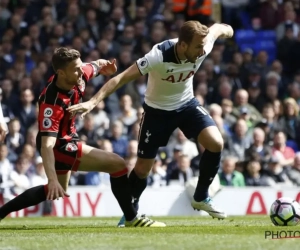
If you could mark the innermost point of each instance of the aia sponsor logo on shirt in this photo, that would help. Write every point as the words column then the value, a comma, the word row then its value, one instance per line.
column 180, row 78
column 71, row 147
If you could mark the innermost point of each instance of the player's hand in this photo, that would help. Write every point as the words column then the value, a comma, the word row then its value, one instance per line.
column 55, row 191
column 84, row 108
column 108, row 68
column 3, row 131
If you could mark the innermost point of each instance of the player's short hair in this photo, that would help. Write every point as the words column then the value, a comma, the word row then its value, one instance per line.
column 189, row 29
column 63, row 56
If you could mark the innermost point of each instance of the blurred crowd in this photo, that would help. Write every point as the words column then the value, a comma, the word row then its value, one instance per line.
column 253, row 100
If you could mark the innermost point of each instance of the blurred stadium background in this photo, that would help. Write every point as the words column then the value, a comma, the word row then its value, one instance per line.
column 250, row 84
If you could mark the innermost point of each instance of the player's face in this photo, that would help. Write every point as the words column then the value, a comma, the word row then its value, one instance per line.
column 74, row 72
column 195, row 48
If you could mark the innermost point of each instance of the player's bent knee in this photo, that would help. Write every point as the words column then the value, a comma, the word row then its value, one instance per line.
column 211, row 139
column 143, row 167
column 119, row 167
column 216, row 144
column 117, row 164
column 141, row 173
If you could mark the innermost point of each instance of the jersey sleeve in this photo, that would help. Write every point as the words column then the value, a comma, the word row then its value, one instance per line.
column 50, row 117
column 151, row 60
column 90, row 70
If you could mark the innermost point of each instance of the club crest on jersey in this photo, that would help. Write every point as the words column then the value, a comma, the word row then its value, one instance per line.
column 48, row 112
column 180, row 78
column 71, row 147
column 47, row 123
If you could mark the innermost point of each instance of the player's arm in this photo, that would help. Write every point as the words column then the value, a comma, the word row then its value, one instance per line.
column 55, row 190
column 101, row 66
column 221, row 30
column 49, row 122
column 47, row 145
column 115, row 83
column 106, row 67
column 111, row 86
column 142, row 67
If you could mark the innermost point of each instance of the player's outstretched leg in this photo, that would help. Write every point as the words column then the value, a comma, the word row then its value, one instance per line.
column 98, row 160
column 30, row 197
column 135, row 204
column 212, row 141
column 122, row 190
column 138, row 185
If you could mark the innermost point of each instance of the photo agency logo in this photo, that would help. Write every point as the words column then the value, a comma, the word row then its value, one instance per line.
column 283, row 234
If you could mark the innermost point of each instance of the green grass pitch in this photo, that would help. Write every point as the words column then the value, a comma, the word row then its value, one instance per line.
column 192, row 233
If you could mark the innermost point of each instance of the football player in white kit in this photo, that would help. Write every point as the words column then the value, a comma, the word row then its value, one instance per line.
column 170, row 104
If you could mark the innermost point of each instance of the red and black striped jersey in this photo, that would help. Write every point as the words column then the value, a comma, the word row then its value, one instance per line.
column 53, row 119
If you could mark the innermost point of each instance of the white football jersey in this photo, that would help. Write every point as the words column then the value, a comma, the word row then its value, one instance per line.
column 170, row 81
